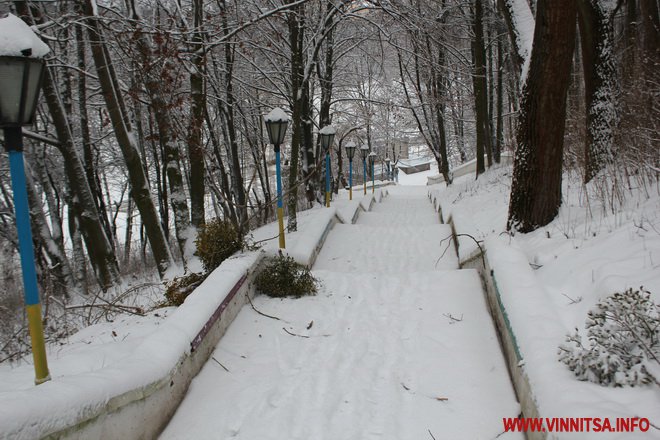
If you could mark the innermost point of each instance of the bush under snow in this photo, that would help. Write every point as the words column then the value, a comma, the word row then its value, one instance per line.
column 623, row 341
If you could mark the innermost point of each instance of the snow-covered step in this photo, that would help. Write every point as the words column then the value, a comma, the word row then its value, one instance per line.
column 388, row 249
column 395, row 218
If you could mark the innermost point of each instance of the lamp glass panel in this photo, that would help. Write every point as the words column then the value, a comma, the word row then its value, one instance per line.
column 11, row 79
column 276, row 131
column 32, row 90
column 350, row 151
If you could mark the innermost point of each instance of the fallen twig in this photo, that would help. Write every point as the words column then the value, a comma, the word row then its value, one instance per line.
column 294, row 334
column 431, row 434
column 450, row 237
column 483, row 259
column 218, row 362
column 261, row 313
column 448, row 315
column 573, row 301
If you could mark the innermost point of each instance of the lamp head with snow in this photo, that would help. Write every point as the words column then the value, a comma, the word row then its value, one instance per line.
column 372, row 158
column 276, row 125
column 350, row 150
column 21, row 70
column 387, row 161
column 327, row 134
column 364, row 152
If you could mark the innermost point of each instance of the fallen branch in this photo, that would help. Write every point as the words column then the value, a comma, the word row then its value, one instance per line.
column 261, row 313
column 294, row 334
column 431, row 434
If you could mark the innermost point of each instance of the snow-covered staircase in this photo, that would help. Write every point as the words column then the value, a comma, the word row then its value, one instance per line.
column 397, row 344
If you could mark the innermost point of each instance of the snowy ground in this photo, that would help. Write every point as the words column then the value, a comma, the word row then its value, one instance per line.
column 397, row 344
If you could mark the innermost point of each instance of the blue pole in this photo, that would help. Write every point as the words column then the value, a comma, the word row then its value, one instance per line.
column 327, row 179
column 373, row 177
column 350, row 179
column 364, row 169
column 26, row 250
column 280, row 208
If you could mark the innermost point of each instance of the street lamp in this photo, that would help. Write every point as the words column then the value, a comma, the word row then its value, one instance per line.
column 372, row 160
column 327, row 134
column 276, row 124
column 350, row 153
column 387, row 167
column 21, row 70
column 364, row 152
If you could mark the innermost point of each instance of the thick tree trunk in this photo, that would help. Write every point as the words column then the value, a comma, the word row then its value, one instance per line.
column 596, row 36
column 127, row 143
column 537, row 172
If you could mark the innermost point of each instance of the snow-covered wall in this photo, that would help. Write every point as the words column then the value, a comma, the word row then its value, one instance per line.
column 135, row 398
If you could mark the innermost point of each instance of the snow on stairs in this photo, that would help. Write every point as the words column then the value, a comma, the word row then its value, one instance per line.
column 397, row 344
column 400, row 234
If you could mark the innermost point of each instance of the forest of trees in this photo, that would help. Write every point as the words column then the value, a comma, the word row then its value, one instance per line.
column 151, row 118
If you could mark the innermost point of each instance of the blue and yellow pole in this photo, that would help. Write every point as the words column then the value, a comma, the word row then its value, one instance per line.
column 364, row 169
column 280, row 209
column 350, row 179
column 14, row 144
column 373, row 184
column 327, row 179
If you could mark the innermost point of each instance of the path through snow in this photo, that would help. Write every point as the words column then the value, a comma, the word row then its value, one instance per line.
column 397, row 344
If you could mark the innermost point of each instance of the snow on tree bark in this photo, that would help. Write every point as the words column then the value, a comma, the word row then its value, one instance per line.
column 600, row 81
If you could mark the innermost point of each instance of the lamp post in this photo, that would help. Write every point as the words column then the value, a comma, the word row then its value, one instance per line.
column 387, row 167
column 350, row 153
column 276, row 124
column 372, row 160
column 364, row 152
column 327, row 134
column 21, row 70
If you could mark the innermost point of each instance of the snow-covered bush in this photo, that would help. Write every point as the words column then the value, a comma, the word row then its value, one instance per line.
column 283, row 277
column 623, row 341
column 216, row 241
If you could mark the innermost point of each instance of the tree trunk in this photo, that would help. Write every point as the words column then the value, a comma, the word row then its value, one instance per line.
column 520, row 22
column 157, row 78
column 127, row 143
column 297, row 74
column 198, row 103
column 499, row 140
column 58, row 262
column 480, row 89
column 537, row 172
column 600, row 83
